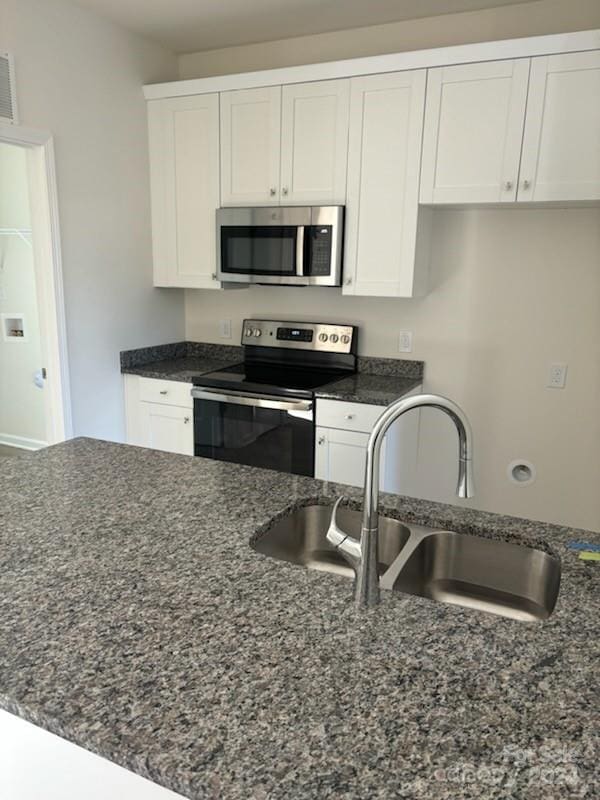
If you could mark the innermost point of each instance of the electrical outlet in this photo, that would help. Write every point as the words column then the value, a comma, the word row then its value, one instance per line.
column 405, row 342
column 225, row 328
column 557, row 376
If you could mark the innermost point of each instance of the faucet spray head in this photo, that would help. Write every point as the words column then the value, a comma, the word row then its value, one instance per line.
column 466, row 482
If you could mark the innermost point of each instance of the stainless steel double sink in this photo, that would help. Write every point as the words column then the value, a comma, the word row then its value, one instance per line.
column 484, row 574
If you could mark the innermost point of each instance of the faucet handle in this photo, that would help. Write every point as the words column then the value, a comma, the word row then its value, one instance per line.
column 348, row 545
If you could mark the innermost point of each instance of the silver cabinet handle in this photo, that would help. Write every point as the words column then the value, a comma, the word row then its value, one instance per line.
column 186, row 420
column 348, row 281
column 257, row 400
column 284, row 190
column 526, row 184
column 349, row 416
column 321, row 440
column 508, row 185
column 273, row 192
column 214, row 276
column 163, row 391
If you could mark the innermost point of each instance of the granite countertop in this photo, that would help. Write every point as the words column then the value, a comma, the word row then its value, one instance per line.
column 379, row 381
column 379, row 390
column 183, row 369
column 136, row 621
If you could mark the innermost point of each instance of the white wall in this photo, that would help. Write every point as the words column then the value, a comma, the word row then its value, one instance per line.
column 81, row 77
column 511, row 292
column 504, row 22
column 22, row 416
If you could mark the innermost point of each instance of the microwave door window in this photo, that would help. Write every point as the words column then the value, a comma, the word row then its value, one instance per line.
column 259, row 250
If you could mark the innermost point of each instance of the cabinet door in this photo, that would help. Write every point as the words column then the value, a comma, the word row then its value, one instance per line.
column 561, row 146
column 250, row 146
column 340, row 456
column 473, row 130
column 184, row 170
column 384, row 156
column 168, row 428
column 314, row 142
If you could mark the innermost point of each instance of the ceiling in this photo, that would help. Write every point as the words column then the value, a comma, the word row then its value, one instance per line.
column 185, row 26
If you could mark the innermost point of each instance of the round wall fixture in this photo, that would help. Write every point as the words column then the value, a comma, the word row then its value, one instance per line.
column 521, row 472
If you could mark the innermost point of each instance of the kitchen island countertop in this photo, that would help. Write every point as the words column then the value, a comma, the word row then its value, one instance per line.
column 136, row 621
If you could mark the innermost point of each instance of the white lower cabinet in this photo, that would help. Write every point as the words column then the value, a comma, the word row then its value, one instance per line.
column 168, row 428
column 342, row 434
column 159, row 414
column 340, row 456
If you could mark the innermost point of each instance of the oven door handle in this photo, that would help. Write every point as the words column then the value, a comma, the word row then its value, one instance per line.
column 258, row 401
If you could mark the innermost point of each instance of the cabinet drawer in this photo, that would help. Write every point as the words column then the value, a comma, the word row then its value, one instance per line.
column 171, row 393
column 347, row 416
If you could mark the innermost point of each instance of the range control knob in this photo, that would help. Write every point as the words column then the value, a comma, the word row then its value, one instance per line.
column 323, row 337
column 257, row 332
column 333, row 338
column 345, row 339
column 248, row 332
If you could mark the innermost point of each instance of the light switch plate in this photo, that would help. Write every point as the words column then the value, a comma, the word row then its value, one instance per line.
column 225, row 328
column 405, row 342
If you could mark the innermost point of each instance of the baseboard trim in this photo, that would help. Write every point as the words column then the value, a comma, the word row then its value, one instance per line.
column 22, row 442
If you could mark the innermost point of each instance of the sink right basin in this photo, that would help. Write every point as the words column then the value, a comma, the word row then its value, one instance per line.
column 484, row 574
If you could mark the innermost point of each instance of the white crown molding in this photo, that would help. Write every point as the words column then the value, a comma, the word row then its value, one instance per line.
column 371, row 65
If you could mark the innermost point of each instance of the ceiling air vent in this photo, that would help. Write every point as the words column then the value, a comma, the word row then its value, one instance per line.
column 8, row 100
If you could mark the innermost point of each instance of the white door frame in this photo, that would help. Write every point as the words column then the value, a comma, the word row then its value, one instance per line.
column 48, row 270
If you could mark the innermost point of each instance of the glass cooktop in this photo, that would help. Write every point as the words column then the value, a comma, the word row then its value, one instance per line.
column 266, row 379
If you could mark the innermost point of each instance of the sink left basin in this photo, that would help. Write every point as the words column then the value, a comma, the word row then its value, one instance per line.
column 300, row 537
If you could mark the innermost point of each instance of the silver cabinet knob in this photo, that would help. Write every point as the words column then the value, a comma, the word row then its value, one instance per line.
column 163, row 391
column 349, row 416
column 186, row 420
column 284, row 190
column 348, row 281
column 273, row 192
column 508, row 185
column 321, row 440
column 526, row 184
column 214, row 276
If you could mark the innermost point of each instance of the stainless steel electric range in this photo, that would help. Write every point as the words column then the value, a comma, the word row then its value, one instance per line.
column 261, row 412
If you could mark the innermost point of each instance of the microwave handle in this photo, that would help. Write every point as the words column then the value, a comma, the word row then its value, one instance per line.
column 300, row 251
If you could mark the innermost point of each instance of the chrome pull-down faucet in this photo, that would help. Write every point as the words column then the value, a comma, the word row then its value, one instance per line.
column 363, row 555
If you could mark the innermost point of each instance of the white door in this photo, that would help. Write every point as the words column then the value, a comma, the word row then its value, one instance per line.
column 340, row 456
column 473, row 130
column 384, row 156
column 561, row 146
column 250, row 146
column 168, row 428
column 314, row 142
column 184, row 169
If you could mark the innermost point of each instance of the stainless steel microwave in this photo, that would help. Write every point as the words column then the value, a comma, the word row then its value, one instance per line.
column 286, row 245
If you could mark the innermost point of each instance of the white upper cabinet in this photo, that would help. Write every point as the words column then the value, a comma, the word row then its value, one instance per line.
column 384, row 156
column 473, row 132
column 314, row 143
column 184, row 172
column 561, row 147
column 250, row 146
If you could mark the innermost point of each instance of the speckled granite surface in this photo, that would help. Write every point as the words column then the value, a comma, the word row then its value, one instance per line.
column 136, row 621
column 380, row 390
column 379, row 381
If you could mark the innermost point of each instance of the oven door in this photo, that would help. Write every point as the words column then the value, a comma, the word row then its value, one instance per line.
column 258, row 430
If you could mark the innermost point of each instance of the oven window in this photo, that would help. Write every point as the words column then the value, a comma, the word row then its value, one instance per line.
column 259, row 437
column 260, row 250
